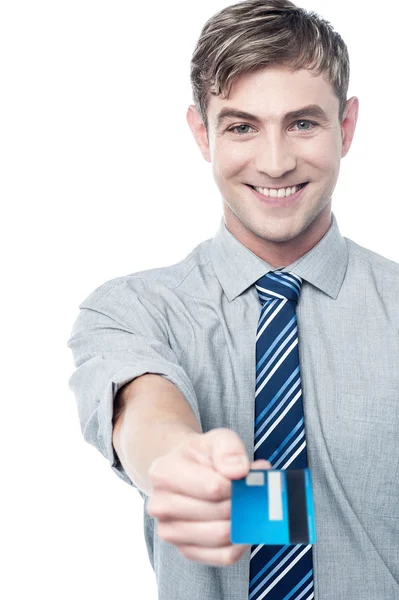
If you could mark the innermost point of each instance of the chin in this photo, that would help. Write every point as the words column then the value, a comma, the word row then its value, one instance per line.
column 279, row 231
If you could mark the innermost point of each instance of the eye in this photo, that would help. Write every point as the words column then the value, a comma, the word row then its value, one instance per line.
column 308, row 122
column 238, row 129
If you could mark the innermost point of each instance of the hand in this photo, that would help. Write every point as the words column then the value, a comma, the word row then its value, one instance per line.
column 191, row 495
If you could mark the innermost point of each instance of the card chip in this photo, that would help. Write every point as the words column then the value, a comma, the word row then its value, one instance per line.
column 275, row 497
column 254, row 478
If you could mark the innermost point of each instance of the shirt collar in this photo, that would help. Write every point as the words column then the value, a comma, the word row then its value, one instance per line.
column 237, row 267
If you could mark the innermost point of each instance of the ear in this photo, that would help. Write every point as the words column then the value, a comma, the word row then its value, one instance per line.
column 199, row 131
column 349, row 124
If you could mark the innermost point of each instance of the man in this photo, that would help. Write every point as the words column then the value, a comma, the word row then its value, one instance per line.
column 171, row 372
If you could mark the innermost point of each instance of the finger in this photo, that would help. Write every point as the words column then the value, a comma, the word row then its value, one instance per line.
column 189, row 479
column 210, row 534
column 218, row 557
column 228, row 452
column 261, row 464
column 167, row 506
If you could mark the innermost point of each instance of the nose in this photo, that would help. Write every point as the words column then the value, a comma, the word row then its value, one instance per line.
column 274, row 156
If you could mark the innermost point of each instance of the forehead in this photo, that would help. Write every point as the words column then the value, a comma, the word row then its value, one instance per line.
column 272, row 92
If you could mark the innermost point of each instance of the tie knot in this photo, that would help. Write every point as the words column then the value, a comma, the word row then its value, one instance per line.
column 277, row 284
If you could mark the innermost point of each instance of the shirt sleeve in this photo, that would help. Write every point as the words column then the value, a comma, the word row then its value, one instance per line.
column 119, row 334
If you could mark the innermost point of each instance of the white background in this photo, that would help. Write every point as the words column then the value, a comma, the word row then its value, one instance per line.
column 101, row 177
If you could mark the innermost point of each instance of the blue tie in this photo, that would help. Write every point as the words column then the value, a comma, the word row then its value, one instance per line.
column 279, row 572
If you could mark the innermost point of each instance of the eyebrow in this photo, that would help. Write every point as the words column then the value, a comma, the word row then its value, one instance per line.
column 312, row 110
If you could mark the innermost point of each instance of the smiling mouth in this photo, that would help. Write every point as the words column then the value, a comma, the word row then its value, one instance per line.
column 300, row 185
column 280, row 192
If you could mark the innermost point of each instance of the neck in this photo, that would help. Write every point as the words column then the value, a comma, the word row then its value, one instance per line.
column 280, row 254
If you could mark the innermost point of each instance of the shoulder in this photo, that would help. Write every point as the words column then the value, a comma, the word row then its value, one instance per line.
column 370, row 259
column 156, row 282
column 374, row 276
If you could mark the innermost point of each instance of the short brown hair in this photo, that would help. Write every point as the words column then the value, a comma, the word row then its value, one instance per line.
column 253, row 34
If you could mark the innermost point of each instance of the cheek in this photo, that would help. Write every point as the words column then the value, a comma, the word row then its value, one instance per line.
column 324, row 155
column 326, row 161
column 230, row 160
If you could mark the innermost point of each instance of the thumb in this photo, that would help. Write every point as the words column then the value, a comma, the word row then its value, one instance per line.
column 228, row 453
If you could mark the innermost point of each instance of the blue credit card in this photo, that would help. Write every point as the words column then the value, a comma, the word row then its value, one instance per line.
column 273, row 506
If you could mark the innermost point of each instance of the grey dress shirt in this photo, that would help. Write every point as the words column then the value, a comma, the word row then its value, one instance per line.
column 195, row 323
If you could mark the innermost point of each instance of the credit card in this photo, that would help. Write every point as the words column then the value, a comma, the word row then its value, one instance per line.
column 273, row 506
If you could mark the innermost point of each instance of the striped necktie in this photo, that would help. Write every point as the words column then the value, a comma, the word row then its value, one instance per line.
column 279, row 572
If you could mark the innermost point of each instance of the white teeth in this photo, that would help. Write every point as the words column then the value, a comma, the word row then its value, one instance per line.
column 281, row 193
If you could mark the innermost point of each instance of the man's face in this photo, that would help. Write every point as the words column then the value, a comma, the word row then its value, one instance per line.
column 272, row 150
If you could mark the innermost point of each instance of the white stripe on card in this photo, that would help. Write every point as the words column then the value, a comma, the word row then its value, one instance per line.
column 274, row 494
